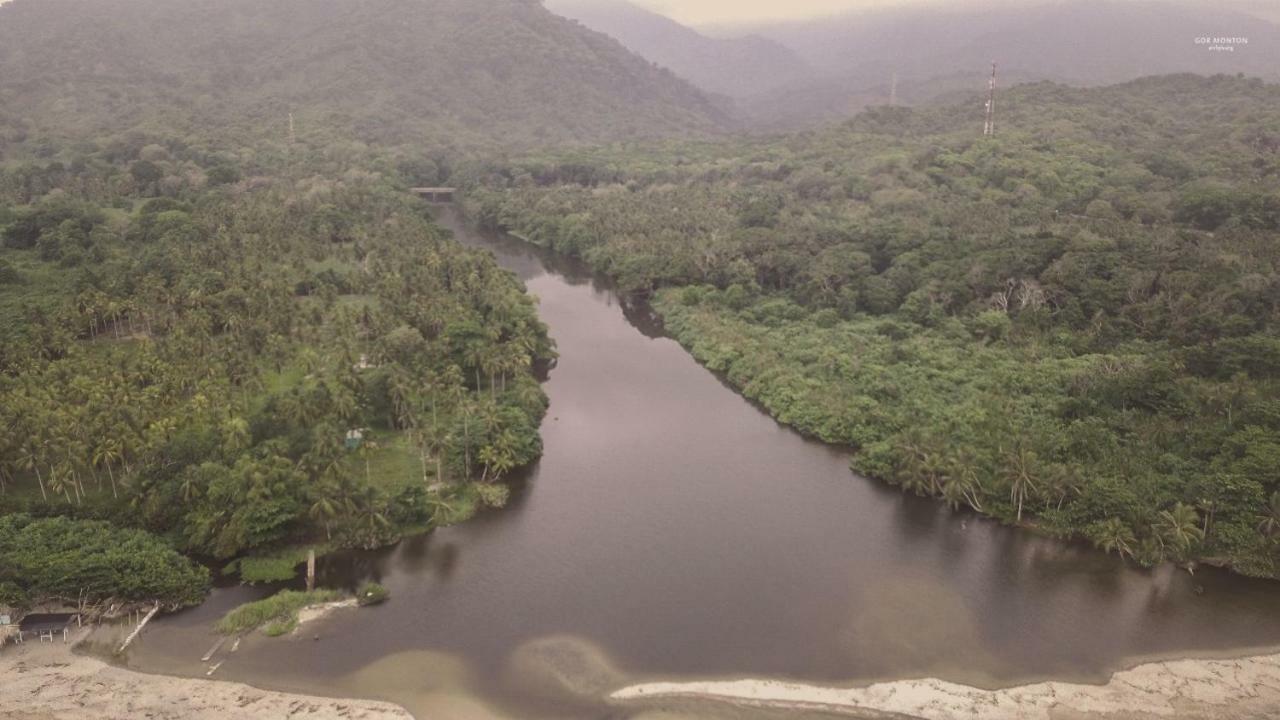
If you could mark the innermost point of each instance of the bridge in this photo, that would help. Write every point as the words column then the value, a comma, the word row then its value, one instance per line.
column 434, row 194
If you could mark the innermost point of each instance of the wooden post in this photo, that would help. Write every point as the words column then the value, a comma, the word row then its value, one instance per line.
column 138, row 629
column 311, row 569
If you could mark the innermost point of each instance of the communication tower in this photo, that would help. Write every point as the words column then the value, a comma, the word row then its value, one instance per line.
column 989, row 129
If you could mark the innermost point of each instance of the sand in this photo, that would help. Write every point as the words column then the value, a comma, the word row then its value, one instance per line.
column 311, row 613
column 1179, row 689
column 46, row 681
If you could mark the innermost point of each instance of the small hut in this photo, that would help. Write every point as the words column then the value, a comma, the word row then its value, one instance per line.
column 8, row 628
column 355, row 438
column 47, row 626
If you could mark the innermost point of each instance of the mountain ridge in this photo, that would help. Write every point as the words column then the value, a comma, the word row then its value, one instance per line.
column 505, row 72
column 738, row 66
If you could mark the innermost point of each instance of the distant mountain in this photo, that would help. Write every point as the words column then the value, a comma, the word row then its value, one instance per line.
column 1265, row 9
column 456, row 71
column 733, row 66
column 938, row 50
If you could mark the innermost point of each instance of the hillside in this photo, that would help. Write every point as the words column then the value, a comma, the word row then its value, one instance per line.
column 733, row 66
column 462, row 72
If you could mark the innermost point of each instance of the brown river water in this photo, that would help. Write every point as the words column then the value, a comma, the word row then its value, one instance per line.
column 672, row 530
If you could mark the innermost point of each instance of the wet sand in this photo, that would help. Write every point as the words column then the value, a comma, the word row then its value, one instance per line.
column 47, row 681
column 44, row 681
column 1180, row 689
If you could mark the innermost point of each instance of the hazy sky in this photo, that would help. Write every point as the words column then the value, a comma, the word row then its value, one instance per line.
column 696, row 12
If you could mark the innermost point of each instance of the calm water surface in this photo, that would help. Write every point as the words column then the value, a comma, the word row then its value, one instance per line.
column 673, row 530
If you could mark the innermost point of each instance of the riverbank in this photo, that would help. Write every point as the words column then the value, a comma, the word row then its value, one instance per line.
column 1187, row 689
column 47, row 681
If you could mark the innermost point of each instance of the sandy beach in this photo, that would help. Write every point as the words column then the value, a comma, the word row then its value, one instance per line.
column 1179, row 689
column 47, row 681
column 44, row 681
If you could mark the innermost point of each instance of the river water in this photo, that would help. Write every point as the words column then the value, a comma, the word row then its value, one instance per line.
column 673, row 530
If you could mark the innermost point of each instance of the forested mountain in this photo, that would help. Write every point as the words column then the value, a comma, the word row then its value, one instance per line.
column 1089, row 42
column 938, row 49
column 1074, row 324
column 458, row 72
column 734, row 66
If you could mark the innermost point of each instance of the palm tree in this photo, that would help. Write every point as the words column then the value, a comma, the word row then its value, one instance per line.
column 1179, row 528
column 236, row 435
column 1114, row 535
column 1022, row 472
column 915, row 463
column 190, row 487
column 343, row 400
column 371, row 515
column 400, row 387
column 960, row 481
column 60, row 481
column 499, row 456
column 324, row 507
column 440, row 509
column 1269, row 520
column 107, row 453
column 367, row 446
column 1063, row 481
column 30, row 456
column 1210, row 508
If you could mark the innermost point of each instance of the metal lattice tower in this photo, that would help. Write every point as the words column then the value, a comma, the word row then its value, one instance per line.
column 989, row 129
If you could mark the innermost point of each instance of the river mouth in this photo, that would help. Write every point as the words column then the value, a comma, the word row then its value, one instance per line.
column 672, row 530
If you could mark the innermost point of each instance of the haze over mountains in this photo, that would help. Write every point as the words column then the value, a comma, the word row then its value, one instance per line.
column 940, row 49
column 515, row 73
column 734, row 66
column 460, row 71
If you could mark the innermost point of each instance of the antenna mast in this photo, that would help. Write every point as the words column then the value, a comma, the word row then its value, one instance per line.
column 293, row 137
column 989, row 129
column 893, row 91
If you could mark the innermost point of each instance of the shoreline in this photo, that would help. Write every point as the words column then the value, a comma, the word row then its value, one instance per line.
column 49, row 681
column 58, row 682
column 1181, row 688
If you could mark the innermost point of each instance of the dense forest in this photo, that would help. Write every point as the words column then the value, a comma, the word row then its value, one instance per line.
column 434, row 74
column 228, row 333
column 237, row 352
column 224, row 323
column 1072, row 325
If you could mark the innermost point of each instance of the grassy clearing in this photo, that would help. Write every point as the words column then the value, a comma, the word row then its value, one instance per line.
column 393, row 464
column 274, row 565
column 276, row 615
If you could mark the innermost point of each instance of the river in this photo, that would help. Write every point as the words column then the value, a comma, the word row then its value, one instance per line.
column 673, row 530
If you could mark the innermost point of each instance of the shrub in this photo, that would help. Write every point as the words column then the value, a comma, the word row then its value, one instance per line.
column 493, row 495
column 372, row 594
column 61, row 558
column 276, row 615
